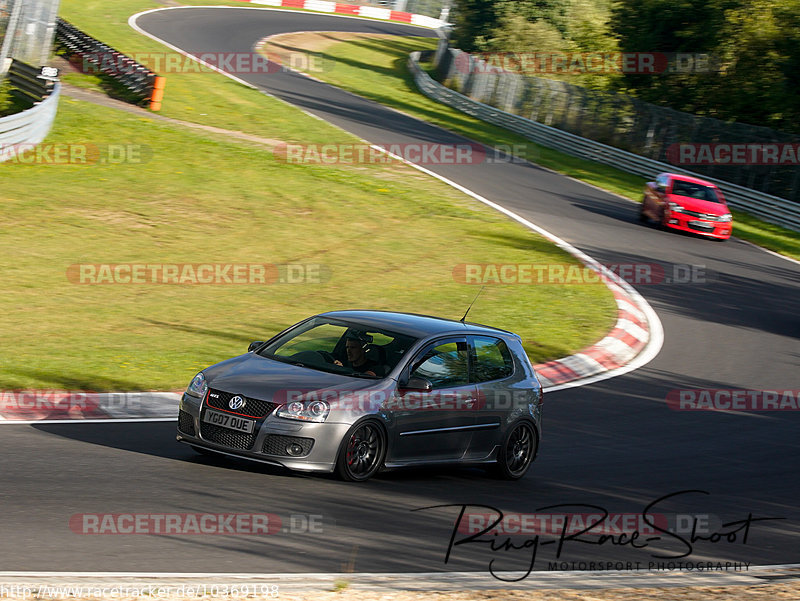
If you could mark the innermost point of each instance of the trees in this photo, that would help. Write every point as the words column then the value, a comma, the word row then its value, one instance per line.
column 480, row 24
column 541, row 26
column 754, row 47
column 474, row 21
column 756, row 44
column 761, row 54
column 488, row 24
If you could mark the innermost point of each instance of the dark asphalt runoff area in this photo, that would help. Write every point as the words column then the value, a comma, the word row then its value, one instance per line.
column 613, row 445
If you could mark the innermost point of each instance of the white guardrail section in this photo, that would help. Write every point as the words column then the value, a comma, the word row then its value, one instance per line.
column 770, row 208
column 30, row 126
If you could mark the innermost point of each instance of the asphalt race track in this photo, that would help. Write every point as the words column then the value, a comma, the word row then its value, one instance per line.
column 614, row 444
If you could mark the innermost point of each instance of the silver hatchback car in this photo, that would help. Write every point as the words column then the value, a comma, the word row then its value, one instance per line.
column 352, row 392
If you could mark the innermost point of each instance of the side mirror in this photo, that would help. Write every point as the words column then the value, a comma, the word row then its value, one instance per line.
column 254, row 345
column 417, row 384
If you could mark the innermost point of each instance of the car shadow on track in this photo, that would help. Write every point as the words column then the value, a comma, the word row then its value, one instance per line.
column 158, row 439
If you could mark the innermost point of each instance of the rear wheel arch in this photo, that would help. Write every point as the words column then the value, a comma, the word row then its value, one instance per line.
column 515, row 456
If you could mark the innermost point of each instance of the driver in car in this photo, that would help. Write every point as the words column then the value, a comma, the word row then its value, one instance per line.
column 356, row 349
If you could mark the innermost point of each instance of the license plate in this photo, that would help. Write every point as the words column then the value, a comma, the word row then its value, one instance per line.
column 701, row 225
column 226, row 420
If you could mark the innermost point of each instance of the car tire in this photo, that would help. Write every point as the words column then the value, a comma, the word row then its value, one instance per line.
column 662, row 221
column 517, row 451
column 362, row 452
column 642, row 217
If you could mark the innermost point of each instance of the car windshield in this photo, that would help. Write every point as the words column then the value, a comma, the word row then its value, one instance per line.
column 693, row 190
column 340, row 347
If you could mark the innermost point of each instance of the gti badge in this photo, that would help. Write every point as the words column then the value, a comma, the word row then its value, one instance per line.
column 236, row 402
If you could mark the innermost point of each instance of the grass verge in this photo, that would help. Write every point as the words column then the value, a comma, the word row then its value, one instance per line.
column 386, row 236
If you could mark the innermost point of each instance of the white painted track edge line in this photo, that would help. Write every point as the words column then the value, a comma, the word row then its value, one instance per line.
column 771, row 252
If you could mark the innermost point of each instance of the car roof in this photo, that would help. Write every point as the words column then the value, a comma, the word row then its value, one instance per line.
column 412, row 324
column 689, row 178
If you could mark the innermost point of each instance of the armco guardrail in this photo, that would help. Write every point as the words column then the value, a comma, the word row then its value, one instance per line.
column 97, row 57
column 30, row 126
column 769, row 208
column 33, row 84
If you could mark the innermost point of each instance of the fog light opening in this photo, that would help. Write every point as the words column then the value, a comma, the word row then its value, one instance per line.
column 294, row 449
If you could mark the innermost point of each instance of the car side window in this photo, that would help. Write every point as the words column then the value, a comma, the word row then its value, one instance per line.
column 662, row 181
column 492, row 359
column 444, row 365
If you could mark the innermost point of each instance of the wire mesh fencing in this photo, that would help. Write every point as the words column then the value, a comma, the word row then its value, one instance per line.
column 27, row 28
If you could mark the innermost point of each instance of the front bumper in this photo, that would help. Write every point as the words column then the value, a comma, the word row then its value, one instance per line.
column 269, row 440
column 695, row 225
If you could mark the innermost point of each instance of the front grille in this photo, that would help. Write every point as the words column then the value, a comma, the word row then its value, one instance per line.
column 252, row 407
column 227, row 437
column 701, row 227
column 706, row 216
column 275, row 444
column 185, row 423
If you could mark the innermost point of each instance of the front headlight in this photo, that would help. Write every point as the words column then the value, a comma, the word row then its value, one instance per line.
column 198, row 386
column 306, row 411
column 727, row 217
column 675, row 207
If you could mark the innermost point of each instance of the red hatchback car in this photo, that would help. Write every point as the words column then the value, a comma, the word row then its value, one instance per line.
column 688, row 204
